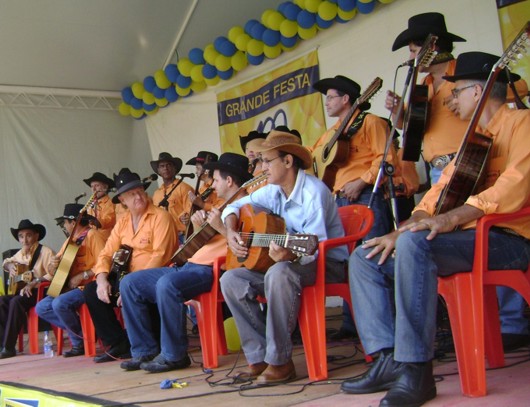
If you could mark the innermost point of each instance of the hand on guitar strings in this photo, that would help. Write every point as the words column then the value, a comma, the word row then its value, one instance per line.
column 392, row 101
column 236, row 243
column 279, row 253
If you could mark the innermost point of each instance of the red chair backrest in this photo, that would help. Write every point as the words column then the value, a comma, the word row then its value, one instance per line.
column 356, row 219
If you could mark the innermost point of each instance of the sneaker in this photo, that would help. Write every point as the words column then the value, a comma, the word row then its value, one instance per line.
column 159, row 364
column 134, row 363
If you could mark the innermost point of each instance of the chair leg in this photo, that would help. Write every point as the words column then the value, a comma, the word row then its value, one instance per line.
column 492, row 329
column 207, row 323
column 33, row 331
column 59, row 339
column 89, row 332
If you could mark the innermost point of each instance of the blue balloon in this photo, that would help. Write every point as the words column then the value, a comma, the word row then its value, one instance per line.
column 257, row 31
column 158, row 93
column 136, row 103
column 149, row 108
column 171, row 94
column 291, row 11
column 209, row 71
column 323, row 23
column 196, row 56
column 127, row 94
column 217, row 44
column 149, row 83
column 306, row 19
column 183, row 81
column 225, row 75
column 289, row 41
column 271, row 37
column 347, row 5
column 248, row 26
column 366, row 8
column 227, row 48
column 172, row 72
column 255, row 60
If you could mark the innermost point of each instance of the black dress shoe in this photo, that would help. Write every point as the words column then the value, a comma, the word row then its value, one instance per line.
column 75, row 351
column 7, row 353
column 514, row 341
column 381, row 376
column 119, row 351
column 159, row 364
column 134, row 363
column 414, row 387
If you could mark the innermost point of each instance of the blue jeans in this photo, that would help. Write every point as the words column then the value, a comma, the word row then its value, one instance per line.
column 61, row 311
column 168, row 288
column 408, row 283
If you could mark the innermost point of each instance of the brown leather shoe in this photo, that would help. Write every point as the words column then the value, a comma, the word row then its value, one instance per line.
column 277, row 374
column 252, row 372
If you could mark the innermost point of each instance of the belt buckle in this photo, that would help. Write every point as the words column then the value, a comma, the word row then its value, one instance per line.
column 441, row 162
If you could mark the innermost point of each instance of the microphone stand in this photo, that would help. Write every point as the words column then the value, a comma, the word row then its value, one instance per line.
column 387, row 169
column 164, row 202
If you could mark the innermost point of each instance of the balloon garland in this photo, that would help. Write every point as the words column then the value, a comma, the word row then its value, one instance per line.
column 277, row 31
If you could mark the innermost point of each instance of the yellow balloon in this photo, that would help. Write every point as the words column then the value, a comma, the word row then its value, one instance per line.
column 275, row 20
column 242, row 42
column 346, row 15
column 212, row 82
column 223, row 63
column 265, row 17
column 210, row 53
column 255, row 47
column 138, row 89
column 312, row 5
column 386, row 1
column 137, row 113
column 161, row 102
column 239, row 61
column 182, row 91
column 287, row 49
column 235, row 32
column 288, row 28
column 307, row 33
column 198, row 86
column 124, row 109
column 300, row 3
column 152, row 112
column 185, row 65
column 272, row 52
column 148, row 98
column 161, row 79
column 196, row 73
column 327, row 11
column 233, row 343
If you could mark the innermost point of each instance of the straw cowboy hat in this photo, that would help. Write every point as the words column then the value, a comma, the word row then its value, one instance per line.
column 288, row 143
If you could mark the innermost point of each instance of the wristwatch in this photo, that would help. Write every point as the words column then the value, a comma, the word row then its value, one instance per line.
column 86, row 276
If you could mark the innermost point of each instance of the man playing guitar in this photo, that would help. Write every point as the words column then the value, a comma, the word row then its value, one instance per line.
column 102, row 208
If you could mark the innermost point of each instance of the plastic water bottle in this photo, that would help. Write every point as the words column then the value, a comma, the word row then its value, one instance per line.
column 48, row 347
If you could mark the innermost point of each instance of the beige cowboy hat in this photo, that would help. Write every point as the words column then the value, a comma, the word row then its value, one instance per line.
column 288, row 143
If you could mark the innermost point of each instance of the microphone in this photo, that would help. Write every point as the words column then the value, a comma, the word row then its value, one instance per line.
column 152, row 177
column 190, row 175
column 410, row 62
column 77, row 198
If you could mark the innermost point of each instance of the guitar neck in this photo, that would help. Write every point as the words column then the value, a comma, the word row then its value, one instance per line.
column 264, row 239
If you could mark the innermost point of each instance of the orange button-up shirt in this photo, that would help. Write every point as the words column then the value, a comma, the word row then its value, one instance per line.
column 41, row 265
column 444, row 130
column 366, row 151
column 153, row 244
column 105, row 212
column 507, row 186
column 178, row 200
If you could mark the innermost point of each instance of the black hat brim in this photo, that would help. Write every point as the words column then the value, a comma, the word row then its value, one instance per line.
column 244, row 175
column 421, row 33
column 40, row 229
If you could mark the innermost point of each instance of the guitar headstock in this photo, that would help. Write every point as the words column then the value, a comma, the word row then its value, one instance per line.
column 515, row 50
column 370, row 91
column 303, row 244
column 427, row 52
column 254, row 182
column 89, row 202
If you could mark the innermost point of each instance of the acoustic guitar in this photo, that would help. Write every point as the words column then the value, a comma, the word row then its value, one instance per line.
column 23, row 277
column 200, row 237
column 329, row 156
column 470, row 161
column 67, row 259
column 415, row 120
column 119, row 268
column 257, row 230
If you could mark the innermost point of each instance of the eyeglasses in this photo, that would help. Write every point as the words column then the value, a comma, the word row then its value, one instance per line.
column 456, row 91
column 329, row 97
column 267, row 161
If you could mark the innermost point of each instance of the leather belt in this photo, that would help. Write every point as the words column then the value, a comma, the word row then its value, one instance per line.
column 442, row 161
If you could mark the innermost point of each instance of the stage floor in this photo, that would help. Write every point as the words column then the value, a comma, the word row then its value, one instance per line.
column 107, row 384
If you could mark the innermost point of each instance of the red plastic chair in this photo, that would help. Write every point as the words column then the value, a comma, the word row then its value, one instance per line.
column 210, row 319
column 357, row 221
column 473, row 308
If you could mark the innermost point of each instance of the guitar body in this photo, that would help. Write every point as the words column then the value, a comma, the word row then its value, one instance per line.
column 61, row 274
column 250, row 224
column 468, row 175
column 119, row 268
column 197, row 240
column 327, row 160
column 18, row 282
column 415, row 123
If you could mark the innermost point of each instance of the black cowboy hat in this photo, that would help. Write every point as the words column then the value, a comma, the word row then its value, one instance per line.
column 27, row 224
column 177, row 162
column 71, row 211
column 202, row 157
column 253, row 135
column 340, row 83
column 420, row 26
column 286, row 129
column 478, row 65
column 236, row 164
column 125, row 181
column 98, row 176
